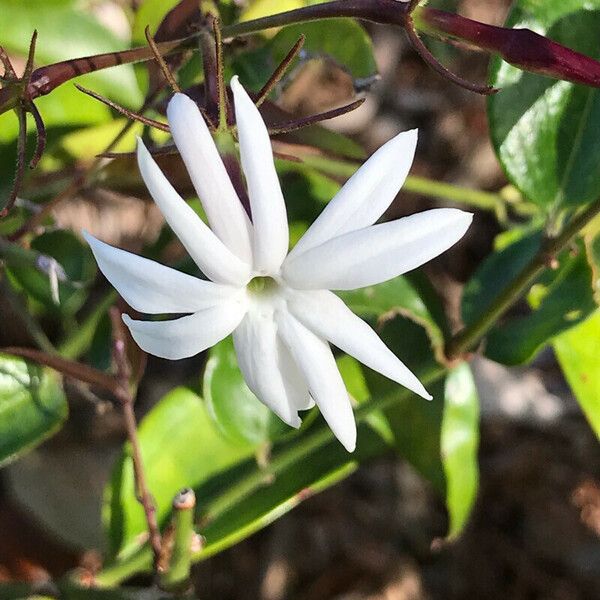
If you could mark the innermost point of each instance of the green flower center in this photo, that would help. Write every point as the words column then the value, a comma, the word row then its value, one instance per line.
column 262, row 285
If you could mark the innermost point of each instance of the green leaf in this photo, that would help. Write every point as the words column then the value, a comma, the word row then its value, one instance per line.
column 547, row 133
column 181, row 447
column 496, row 272
column 32, row 406
column 78, row 263
column 237, row 496
column 238, row 413
column 559, row 301
column 459, row 444
column 342, row 40
column 415, row 423
column 399, row 296
column 578, row 353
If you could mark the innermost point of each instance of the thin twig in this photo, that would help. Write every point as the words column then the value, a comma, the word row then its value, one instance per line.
column 161, row 62
column 279, row 71
column 122, row 378
column 30, row 56
column 220, row 74
column 9, row 72
column 40, row 129
column 20, row 168
column 314, row 119
column 438, row 67
column 124, row 111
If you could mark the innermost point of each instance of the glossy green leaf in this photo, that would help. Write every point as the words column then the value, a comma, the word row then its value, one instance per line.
column 66, row 31
column 74, row 257
column 546, row 132
column 414, row 422
column 238, row 413
column 342, row 40
column 32, row 406
column 399, row 296
column 578, row 353
column 181, row 447
column 561, row 300
column 496, row 272
column 459, row 445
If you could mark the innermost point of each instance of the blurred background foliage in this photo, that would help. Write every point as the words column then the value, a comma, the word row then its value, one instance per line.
column 200, row 425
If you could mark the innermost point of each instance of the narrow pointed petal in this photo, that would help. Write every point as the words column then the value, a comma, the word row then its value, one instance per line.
column 314, row 358
column 327, row 316
column 271, row 235
column 224, row 211
column 152, row 288
column 215, row 260
column 366, row 195
column 295, row 384
column 377, row 253
column 187, row 336
column 255, row 343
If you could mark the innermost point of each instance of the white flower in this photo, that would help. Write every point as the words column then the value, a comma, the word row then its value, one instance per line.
column 277, row 305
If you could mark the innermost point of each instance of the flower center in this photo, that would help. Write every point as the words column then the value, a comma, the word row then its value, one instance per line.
column 262, row 286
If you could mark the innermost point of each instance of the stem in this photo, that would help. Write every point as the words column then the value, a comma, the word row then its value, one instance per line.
column 467, row 338
column 139, row 561
column 461, row 195
column 177, row 568
column 377, row 11
column 126, row 399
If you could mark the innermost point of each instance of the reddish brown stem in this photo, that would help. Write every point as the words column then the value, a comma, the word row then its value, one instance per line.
column 126, row 399
column 439, row 68
column 20, row 169
column 40, row 130
column 279, row 71
column 124, row 111
column 314, row 119
column 168, row 75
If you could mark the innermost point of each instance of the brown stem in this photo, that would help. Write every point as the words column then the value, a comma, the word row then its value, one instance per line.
column 124, row 111
column 168, row 75
column 40, row 130
column 313, row 119
column 220, row 74
column 69, row 368
column 20, row 168
column 30, row 56
column 438, row 67
column 279, row 71
column 122, row 378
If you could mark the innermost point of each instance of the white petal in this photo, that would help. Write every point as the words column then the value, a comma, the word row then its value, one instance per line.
column 366, row 195
column 327, row 316
column 223, row 208
column 293, row 380
column 187, row 336
column 217, row 262
column 314, row 358
column 255, row 343
column 152, row 288
column 271, row 235
column 377, row 253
